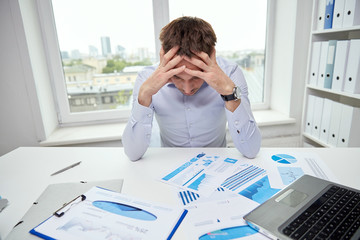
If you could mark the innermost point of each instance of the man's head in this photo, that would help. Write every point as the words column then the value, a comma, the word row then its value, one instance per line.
column 191, row 34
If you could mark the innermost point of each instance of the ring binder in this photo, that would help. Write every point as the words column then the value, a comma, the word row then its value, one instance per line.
column 61, row 211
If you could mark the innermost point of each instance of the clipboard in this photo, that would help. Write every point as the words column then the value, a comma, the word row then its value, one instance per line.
column 105, row 214
column 53, row 197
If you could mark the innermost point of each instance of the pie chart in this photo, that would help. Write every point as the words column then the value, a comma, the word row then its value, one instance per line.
column 284, row 158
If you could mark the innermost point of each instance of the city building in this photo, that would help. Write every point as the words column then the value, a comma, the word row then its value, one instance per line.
column 105, row 46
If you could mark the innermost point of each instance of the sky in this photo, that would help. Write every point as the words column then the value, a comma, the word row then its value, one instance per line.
column 238, row 24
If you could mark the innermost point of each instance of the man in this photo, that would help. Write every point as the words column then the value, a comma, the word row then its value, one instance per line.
column 193, row 95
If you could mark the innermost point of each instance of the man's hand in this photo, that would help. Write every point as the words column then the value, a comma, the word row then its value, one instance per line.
column 213, row 75
column 161, row 75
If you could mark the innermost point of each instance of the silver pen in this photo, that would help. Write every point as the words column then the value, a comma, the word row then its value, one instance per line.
column 67, row 168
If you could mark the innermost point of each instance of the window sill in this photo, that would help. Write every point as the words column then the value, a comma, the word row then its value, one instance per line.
column 272, row 118
column 112, row 132
column 85, row 134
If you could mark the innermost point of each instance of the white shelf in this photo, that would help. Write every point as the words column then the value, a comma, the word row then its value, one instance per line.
column 340, row 93
column 336, row 30
column 318, row 141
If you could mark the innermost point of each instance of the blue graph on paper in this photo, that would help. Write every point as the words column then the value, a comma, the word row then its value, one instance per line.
column 290, row 174
column 125, row 210
column 229, row 233
column 242, row 177
column 201, row 181
column 284, row 158
column 188, row 197
column 260, row 191
column 202, row 174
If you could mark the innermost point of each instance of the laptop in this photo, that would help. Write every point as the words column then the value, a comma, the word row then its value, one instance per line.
column 309, row 208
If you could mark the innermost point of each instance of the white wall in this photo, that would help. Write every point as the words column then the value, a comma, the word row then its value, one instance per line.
column 289, row 63
column 17, row 121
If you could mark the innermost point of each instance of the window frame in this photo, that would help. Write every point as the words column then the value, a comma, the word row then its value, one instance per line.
column 160, row 18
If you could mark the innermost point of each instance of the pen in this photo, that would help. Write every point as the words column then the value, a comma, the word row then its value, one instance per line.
column 67, row 168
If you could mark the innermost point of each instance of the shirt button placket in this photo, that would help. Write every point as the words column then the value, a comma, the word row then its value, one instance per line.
column 187, row 112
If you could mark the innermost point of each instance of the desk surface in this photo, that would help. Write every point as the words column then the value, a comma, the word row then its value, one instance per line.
column 25, row 172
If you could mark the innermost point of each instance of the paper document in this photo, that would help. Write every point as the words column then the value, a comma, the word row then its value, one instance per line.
column 202, row 174
column 106, row 214
column 221, row 219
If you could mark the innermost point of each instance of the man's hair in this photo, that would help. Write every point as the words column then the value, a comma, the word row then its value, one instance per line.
column 190, row 33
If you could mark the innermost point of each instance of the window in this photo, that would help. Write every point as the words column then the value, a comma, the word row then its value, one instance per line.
column 99, row 46
column 240, row 27
column 97, row 42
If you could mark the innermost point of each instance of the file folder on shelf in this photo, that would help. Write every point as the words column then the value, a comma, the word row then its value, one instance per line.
column 318, row 108
column 322, row 63
column 341, row 56
column 315, row 58
column 325, row 120
column 330, row 64
column 338, row 14
column 349, row 131
column 352, row 77
column 309, row 113
column 320, row 15
column 351, row 13
column 336, row 111
column 329, row 10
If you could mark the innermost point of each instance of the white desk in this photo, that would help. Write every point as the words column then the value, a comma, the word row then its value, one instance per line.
column 25, row 172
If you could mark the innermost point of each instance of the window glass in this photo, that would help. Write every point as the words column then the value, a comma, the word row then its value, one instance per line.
column 100, row 42
column 240, row 27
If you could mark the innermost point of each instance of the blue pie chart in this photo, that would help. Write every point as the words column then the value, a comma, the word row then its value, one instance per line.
column 284, row 158
column 125, row 210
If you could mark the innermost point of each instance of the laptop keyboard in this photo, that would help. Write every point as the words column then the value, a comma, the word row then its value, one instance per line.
column 334, row 215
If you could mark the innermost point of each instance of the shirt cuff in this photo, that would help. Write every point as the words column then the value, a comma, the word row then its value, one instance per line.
column 141, row 113
column 241, row 116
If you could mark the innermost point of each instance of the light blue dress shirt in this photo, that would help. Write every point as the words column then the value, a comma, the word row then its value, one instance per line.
column 192, row 121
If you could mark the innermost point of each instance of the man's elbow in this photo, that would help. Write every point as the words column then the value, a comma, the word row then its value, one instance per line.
column 250, row 150
column 251, row 154
column 132, row 155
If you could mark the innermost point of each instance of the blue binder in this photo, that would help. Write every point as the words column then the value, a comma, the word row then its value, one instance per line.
column 329, row 10
column 330, row 60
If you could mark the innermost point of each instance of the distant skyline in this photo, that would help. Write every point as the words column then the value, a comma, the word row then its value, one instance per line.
column 239, row 24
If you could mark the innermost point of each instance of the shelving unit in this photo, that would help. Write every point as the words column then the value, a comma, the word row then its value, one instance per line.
column 346, row 98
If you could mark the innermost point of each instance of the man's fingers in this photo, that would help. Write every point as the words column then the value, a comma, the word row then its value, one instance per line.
column 162, row 53
column 203, row 56
column 195, row 73
column 197, row 62
column 175, row 71
column 173, row 62
column 169, row 55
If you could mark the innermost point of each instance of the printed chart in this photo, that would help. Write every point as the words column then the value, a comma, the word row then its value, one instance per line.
column 284, row 158
column 125, row 210
column 260, row 191
column 202, row 175
column 290, row 174
column 242, row 177
column 229, row 233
